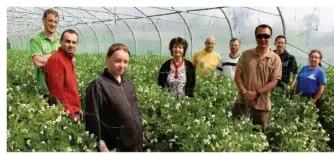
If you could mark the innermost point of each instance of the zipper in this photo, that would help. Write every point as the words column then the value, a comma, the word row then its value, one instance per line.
column 130, row 112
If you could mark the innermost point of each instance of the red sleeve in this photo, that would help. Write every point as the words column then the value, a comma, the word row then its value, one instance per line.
column 54, row 72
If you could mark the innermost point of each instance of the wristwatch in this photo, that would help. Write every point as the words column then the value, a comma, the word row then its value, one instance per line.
column 257, row 93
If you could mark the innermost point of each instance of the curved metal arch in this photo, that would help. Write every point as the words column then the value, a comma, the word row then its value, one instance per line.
column 282, row 19
column 156, row 27
column 97, row 38
column 103, row 23
column 10, row 42
column 21, row 41
column 26, row 46
column 228, row 21
column 73, row 26
column 133, row 34
column 12, row 39
column 25, row 36
column 34, row 12
column 190, row 34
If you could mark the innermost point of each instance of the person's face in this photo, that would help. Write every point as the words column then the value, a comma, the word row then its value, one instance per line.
column 118, row 62
column 280, row 44
column 209, row 44
column 178, row 50
column 69, row 42
column 263, row 37
column 314, row 59
column 234, row 46
column 50, row 23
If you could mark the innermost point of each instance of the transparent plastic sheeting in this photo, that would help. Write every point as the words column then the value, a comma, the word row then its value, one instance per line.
column 149, row 29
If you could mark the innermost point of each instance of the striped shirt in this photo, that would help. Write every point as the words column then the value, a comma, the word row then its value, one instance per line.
column 227, row 66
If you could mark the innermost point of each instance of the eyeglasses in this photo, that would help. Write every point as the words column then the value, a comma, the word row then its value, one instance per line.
column 261, row 36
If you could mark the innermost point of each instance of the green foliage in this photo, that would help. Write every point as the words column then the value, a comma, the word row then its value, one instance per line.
column 202, row 123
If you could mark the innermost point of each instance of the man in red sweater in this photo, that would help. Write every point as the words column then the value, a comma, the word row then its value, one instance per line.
column 60, row 75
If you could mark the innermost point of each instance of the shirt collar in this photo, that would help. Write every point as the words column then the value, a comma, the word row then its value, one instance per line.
column 55, row 37
column 235, row 56
column 284, row 52
column 270, row 54
column 111, row 77
column 64, row 53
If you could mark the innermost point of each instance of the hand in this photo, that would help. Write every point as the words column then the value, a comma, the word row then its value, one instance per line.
column 103, row 147
column 250, row 95
column 144, row 140
column 78, row 117
column 314, row 101
column 81, row 115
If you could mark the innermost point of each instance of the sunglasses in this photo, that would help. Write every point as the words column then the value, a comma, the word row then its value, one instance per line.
column 261, row 36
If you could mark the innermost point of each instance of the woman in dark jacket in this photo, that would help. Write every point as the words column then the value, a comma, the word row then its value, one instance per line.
column 112, row 112
column 178, row 74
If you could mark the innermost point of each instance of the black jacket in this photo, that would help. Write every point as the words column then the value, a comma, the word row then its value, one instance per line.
column 112, row 112
column 190, row 76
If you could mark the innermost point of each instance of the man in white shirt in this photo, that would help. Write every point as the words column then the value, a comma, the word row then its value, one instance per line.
column 227, row 64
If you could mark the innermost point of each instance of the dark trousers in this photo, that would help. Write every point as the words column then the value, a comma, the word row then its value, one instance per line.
column 318, row 103
column 259, row 117
column 50, row 100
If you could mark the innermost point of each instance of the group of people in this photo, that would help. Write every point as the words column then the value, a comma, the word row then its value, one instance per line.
column 111, row 111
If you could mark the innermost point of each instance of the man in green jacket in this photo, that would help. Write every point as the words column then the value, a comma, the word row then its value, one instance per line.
column 42, row 46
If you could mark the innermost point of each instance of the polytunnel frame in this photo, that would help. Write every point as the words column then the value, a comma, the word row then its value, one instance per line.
column 73, row 26
column 27, row 40
column 59, row 24
column 17, row 39
column 10, row 42
column 188, row 27
column 190, row 33
column 134, row 37
column 280, row 14
column 21, row 39
column 98, row 47
column 24, row 34
column 103, row 23
column 156, row 27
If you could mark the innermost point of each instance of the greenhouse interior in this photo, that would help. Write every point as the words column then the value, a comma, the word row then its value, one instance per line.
column 149, row 29
column 199, row 116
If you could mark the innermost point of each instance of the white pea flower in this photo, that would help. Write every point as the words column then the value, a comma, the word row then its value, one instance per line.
column 24, row 130
column 167, row 105
column 43, row 142
column 58, row 119
column 319, row 125
column 196, row 121
column 208, row 123
column 206, row 141
column 79, row 140
column 92, row 135
column 213, row 136
column 178, row 105
column 69, row 149
column 229, row 113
